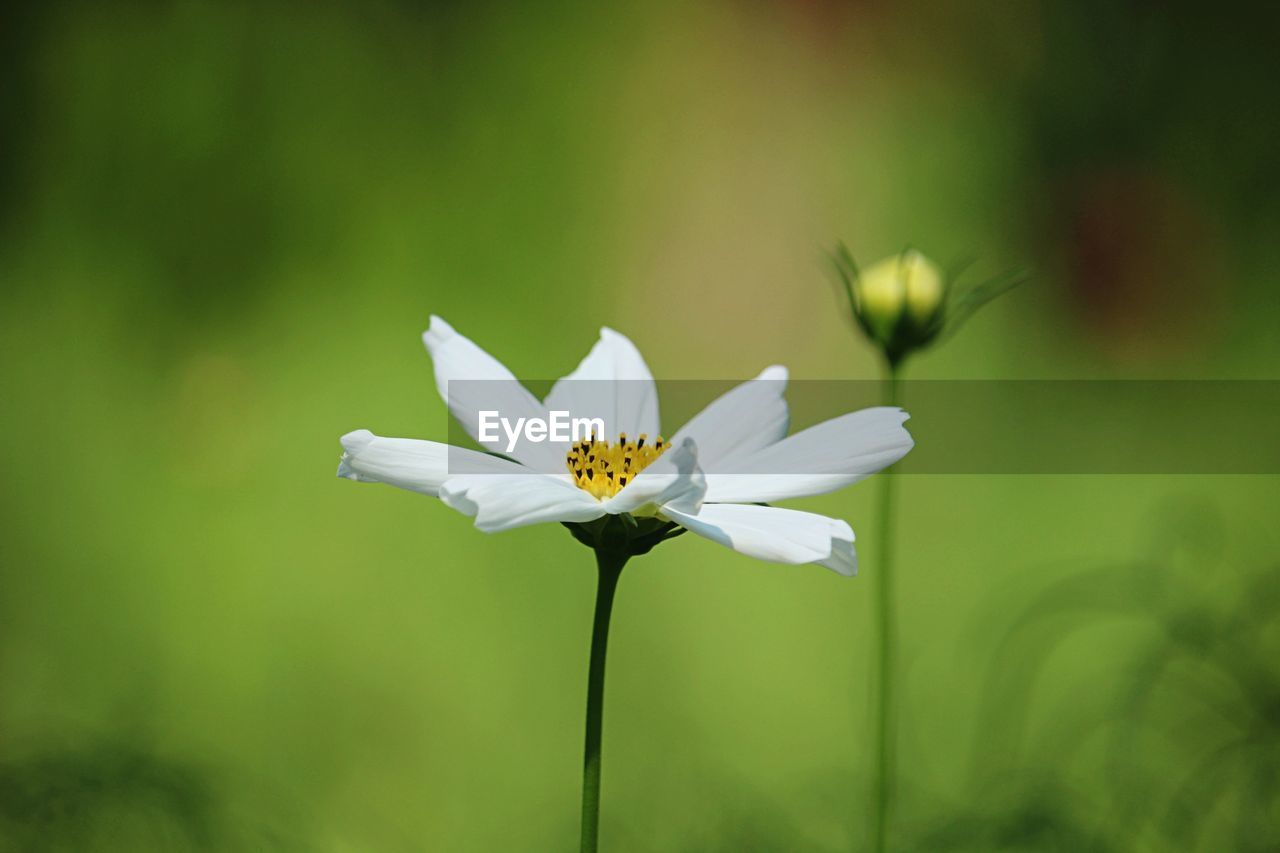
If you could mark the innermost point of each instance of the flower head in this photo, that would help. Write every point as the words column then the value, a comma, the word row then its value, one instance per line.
column 624, row 485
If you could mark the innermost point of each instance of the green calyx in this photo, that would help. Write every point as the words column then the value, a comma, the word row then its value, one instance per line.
column 623, row 535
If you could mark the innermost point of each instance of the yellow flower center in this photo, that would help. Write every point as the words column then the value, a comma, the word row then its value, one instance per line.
column 603, row 468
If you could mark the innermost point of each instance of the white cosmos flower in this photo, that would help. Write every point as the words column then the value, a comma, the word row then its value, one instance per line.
column 711, row 478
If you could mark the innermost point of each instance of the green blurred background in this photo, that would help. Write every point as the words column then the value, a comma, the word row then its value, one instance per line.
column 224, row 226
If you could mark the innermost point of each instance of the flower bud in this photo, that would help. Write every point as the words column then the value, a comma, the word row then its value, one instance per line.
column 903, row 303
column 899, row 302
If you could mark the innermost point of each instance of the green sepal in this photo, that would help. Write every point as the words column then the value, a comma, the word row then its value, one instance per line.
column 623, row 535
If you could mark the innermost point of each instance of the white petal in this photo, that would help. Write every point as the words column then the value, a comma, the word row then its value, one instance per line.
column 470, row 381
column 612, row 383
column 775, row 534
column 673, row 480
column 504, row 501
column 747, row 418
column 408, row 463
column 843, row 559
column 820, row 459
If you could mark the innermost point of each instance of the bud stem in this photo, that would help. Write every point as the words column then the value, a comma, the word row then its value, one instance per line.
column 885, row 636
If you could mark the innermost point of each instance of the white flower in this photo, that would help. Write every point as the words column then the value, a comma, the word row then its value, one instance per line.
column 711, row 478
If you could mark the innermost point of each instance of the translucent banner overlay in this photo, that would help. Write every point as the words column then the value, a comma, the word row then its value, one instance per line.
column 959, row 426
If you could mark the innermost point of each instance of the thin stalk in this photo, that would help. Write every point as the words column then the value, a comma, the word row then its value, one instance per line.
column 885, row 636
column 610, row 566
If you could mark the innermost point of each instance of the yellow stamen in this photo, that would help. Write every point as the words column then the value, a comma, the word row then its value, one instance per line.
column 604, row 468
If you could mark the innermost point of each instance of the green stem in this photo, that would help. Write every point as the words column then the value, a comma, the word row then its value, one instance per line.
column 610, row 566
column 885, row 629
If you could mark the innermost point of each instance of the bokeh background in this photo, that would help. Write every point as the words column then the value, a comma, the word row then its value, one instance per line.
column 224, row 225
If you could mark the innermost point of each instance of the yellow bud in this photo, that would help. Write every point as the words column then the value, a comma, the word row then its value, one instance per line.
column 881, row 294
column 900, row 302
column 924, row 286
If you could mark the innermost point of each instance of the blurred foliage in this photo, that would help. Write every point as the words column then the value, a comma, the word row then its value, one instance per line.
column 223, row 227
column 71, row 801
column 1190, row 737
